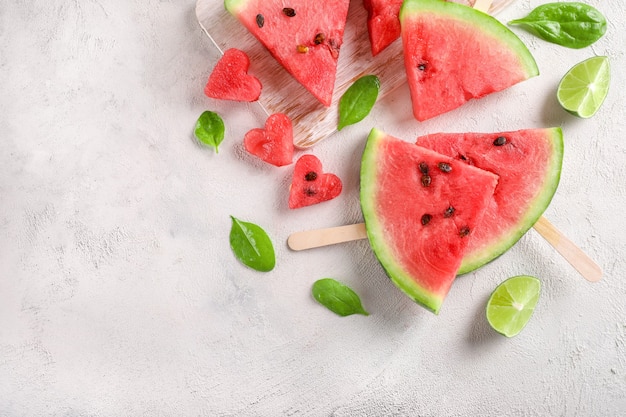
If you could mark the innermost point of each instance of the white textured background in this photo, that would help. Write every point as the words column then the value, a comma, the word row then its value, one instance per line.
column 119, row 295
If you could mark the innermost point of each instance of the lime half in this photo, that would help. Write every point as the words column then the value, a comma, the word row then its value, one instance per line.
column 512, row 303
column 585, row 86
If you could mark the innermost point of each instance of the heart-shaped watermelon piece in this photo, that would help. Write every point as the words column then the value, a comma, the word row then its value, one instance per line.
column 230, row 80
column 274, row 143
column 310, row 185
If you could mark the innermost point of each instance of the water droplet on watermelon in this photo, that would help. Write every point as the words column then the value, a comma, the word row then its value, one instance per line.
column 444, row 167
column 288, row 11
column 311, row 176
column 426, row 218
column 426, row 180
column 500, row 140
column 260, row 20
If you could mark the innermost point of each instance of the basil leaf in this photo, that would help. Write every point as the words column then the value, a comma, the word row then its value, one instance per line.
column 574, row 25
column 210, row 129
column 337, row 297
column 252, row 246
column 358, row 100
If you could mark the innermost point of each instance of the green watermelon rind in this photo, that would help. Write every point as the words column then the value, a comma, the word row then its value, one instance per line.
column 233, row 6
column 484, row 23
column 538, row 206
column 394, row 271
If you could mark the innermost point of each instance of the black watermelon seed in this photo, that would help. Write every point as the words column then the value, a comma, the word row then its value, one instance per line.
column 449, row 212
column 444, row 167
column 426, row 218
column 500, row 140
column 319, row 38
column 424, row 168
column 465, row 230
column 426, row 180
column 463, row 157
column 289, row 12
column 311, row 176
column 260, row 20
column 422, row 66
column 310, row 192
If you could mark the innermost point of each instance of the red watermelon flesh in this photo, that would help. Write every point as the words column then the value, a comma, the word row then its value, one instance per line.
column 303, row 35
column 383, row 24
column 230, row 80
column 310, row 184
column 421, row 210
column 274, row 143
column 528, row 163
column 453, row 53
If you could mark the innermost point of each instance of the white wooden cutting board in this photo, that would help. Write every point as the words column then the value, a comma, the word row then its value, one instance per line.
column 312, row 121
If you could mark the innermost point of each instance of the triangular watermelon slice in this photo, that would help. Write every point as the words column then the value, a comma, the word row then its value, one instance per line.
column 528, row 163
column 421, row 209
column 453, row 53
column 304, row 36
column 383, row 24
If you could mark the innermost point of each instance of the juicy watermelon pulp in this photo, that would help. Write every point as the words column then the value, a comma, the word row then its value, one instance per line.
column 273, row 143
column 418, row 227
column 310, row 184
column 453, row 53
column 528, row 163
column 383, row 24
column 304, row 36
column 230, row 80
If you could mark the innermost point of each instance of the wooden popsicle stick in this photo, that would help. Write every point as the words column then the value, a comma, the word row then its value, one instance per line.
column 310, row 239
column 572, row 253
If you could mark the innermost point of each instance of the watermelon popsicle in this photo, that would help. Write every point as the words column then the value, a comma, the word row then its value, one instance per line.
column 550, row 140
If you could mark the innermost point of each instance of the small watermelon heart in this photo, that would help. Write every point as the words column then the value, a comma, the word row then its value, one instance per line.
column 274, row 143
column 230, row 80
column 310, row 185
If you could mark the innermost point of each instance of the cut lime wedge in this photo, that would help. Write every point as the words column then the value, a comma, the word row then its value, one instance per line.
column 512, row 303
column 585, row 86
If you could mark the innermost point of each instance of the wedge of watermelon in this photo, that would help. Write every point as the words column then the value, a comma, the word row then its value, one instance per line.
column 304, row 36
column 383, row 24
column 421, row 209
column 454, row 53
column 528, row 163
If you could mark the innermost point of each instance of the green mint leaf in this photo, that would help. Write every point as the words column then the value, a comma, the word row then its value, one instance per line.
column 210, row 129
column 252, row 246
column 358, row 100
column 570, row 24
column 337, row 297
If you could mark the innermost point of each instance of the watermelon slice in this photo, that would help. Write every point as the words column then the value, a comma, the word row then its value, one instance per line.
column 383, row 24
column 453, row 53
column 303, row 35
column 528, row 163
column 230, row 80
column 310, row 184
column 421, row 209
column 273, row 143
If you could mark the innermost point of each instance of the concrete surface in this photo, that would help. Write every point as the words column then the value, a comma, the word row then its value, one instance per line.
column 120, row 296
